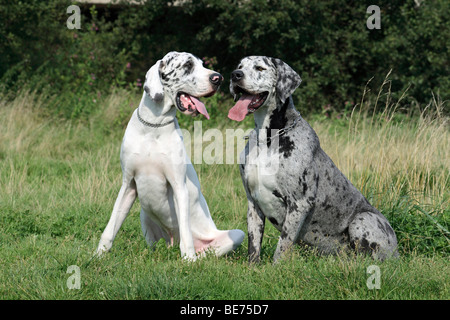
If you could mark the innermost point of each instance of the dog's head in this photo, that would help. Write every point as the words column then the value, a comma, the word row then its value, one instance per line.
column 258, row 80
column 181, row 79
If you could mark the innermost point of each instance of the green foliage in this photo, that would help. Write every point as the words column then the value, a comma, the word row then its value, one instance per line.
column 72, row 66
column 327, row 42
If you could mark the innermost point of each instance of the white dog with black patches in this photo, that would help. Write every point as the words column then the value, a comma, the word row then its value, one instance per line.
column 157, row 169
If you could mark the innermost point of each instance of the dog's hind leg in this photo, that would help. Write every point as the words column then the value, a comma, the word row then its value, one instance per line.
column 370, row 232
column 125, row 199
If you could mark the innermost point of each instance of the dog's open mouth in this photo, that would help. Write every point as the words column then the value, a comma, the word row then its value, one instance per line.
column 191, row 105
column 247, row 104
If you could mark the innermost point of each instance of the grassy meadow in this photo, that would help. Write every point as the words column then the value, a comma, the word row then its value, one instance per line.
column 59, row 180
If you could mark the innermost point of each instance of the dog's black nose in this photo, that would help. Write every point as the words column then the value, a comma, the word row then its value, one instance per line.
column 237, row 75
column 216, row 79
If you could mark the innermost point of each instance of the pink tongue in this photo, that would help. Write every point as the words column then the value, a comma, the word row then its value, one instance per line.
column 200, row 107
column 240, row 109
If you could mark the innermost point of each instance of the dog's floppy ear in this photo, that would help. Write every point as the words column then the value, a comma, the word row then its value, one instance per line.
column 153, row 86
column 287, row 79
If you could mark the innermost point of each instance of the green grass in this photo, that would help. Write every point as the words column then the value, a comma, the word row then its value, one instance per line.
column 59, row 181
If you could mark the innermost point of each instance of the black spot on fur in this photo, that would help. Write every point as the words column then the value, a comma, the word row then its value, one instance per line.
column 389, row 229
column 286, row 146
column 278, row 117
column 290, row 205
column 305, row 188
column 293, row 207
column 188, row 67
column 364, row 244
column 277, row 194
column 278, row 121
column 169, row 60
column 187, row 71
column 165, row 76
column 302, row 182
column 326, row 206
column 275, row 62
column 381, row 226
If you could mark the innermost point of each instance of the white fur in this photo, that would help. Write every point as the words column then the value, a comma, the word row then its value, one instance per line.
column 156, row 168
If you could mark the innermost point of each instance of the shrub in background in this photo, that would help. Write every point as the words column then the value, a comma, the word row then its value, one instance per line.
column 74, row 68
column 327, row 42
column 330, row 46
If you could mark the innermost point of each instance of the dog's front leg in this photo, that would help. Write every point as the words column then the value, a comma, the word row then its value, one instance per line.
column 255, row 222
column 181, row 197
column 292, row 225
column 125, row 199
column 300, row 206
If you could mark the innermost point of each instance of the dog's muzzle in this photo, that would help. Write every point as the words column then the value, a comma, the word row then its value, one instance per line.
column 246, row 102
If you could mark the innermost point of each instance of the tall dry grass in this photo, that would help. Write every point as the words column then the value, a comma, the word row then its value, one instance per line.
column 48, row 162
column 384, row 153
column 392, row 153
column 376, row 146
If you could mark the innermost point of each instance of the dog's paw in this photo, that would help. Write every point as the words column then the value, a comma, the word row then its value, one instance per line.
column 101, row 251
column 190, row 258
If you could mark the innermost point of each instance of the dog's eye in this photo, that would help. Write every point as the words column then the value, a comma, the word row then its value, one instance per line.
column 188, row 65
column 259, row 68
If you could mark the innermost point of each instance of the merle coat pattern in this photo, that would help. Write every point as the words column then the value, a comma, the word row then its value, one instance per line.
column 306, row 197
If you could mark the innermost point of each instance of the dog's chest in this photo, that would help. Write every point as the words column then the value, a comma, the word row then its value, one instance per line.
column 260, row 175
